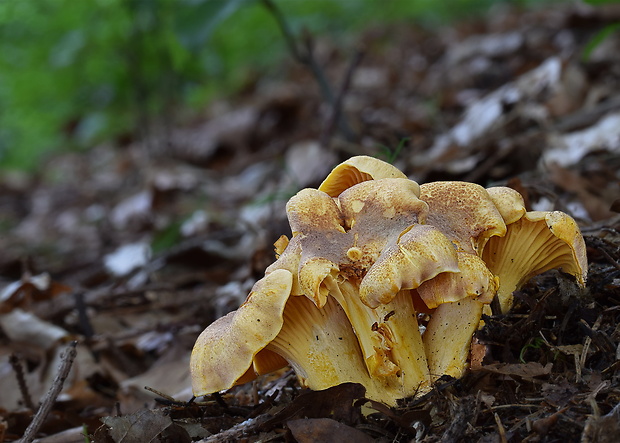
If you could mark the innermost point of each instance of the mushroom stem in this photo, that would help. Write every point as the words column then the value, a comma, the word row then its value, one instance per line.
column 399, row 317
column 362, row 318
column 448, row 337
column 389, row 338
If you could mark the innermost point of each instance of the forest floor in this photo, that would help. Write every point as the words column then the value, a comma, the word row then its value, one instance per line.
column 115, row 259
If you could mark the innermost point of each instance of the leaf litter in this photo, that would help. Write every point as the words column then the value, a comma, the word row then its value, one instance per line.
column 133, row 255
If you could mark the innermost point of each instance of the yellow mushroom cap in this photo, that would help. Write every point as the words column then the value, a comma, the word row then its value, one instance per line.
column 536, row 243
column 311, row 210
column 356, row 170
column 422, row 252
column 473, row 280
column 508, row 202
column 318, row 233
column 289, row 255
column 464, row 212
column 345, row 235
column 225, row 350
column 383, row 206
column 312, row 274
column 338, row 240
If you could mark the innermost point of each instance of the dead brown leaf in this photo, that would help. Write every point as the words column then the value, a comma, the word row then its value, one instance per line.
column 336, row 402
column 310, row 430
column 526, row 371
column 558, row 394
column 141, row 427
column 30, row 289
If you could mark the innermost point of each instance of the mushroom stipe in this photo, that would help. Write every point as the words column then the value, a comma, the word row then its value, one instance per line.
column 371, row 252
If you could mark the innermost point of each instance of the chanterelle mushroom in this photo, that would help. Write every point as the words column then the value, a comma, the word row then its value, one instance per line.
column 338, row 245
column 371, row 249
column 466, row 214
column 535, row 243
column 356, row 170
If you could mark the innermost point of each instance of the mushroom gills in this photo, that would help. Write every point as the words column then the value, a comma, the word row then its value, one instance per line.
column 322, row 348
column 536, row 243
column 357, row 170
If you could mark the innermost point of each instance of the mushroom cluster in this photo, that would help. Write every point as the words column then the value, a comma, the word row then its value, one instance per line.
column 384, row 283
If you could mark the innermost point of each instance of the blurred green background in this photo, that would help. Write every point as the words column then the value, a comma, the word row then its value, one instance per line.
column 75, row 73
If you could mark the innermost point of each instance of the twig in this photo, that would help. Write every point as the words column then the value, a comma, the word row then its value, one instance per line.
column 335, row 115
column 219, row 400
column 21, row 381
column 63, row 371
column 577, row 368
column 602, row 246
column 306, row 58
column 499, row 407
column 500, row 428
column 161, row 394
column 239, row 431
column 286, row 31
column 609, row 258
column 84, row 321
column 588, row 340
column 309, row 60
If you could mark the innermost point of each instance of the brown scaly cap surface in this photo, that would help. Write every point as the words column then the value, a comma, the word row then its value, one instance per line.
column 464, row 212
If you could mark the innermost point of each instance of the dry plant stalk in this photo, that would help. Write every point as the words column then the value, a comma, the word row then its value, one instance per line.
column 46, row 406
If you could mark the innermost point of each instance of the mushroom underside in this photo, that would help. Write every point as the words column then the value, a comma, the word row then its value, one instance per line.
column 532, row 247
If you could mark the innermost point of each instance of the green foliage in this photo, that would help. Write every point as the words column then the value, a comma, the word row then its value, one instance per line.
column 535, row 343
column 73, row 73
column 600, row 2
column 600, row 36
column 391, row 155
column 597, row 39
column 166, row 238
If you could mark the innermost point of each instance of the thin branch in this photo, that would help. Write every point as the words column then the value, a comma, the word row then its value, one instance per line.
column 239, row 431
column 21, row 381
column 286, row 31
column 84, row 320
column 500, row 428
column 336, row 111
column 609, row 258
column 316, row 69
column 50, row 398
column 305, row 56
column 161, row 394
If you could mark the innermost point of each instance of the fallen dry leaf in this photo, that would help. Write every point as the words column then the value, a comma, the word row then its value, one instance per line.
column 336, row 402
column 310, row 430
column 141, row 427
column 526, row 371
